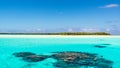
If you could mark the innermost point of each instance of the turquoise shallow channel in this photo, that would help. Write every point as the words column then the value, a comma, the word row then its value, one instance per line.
column 109, row 48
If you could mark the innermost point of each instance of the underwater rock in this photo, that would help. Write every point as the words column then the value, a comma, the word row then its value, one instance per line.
column 30, row 57
column 70, row 56
column 106, row 44
column 74, row 58
column 34, row 58
column 103, row 63
column 29, row 65
column 79, row 59
column 99, row 46
column 69, row 59
column 61, row 64
column 23, row 54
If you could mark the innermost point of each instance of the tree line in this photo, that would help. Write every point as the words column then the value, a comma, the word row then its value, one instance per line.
column 62, row 33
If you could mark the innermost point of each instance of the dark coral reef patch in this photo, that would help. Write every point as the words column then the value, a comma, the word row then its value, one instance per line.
column 30, row 57
column 80, row 59
column 23, row 54
column 69, row 59
column 100, row 46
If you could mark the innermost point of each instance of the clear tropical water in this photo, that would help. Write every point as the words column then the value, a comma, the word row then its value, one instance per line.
column 8, row 46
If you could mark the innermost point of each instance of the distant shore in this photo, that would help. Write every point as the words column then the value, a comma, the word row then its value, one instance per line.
column 60, row 33
column 59, row 36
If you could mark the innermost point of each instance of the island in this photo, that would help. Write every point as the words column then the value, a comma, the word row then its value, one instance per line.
column 60, row 33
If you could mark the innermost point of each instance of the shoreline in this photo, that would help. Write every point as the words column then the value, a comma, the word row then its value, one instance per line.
column 59, row 36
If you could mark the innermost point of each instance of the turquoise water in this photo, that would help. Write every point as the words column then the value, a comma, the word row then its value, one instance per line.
column 46, row 46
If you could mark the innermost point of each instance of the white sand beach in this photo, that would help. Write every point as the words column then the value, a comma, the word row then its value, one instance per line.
column 59, row 36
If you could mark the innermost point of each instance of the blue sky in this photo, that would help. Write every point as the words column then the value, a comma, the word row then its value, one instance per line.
column 60, row 16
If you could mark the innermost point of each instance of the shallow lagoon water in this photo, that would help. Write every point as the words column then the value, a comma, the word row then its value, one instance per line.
column 47, row 46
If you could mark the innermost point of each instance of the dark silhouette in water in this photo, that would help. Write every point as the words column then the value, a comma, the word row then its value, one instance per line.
column 69, row 59
column 23, row 54
column 30, row 57
column 80, row 59
column 34, row 58
column 100, row 46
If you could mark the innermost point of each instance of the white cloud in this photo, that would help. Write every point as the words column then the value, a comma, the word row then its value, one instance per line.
column 70, row 30
column 108, row 29
column 35, row 30
column 90, row 30
column 38, row 29
column 110, row 6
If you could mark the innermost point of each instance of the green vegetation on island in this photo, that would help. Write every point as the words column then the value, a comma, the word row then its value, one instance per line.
column 60, row 33
column 82, row 33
